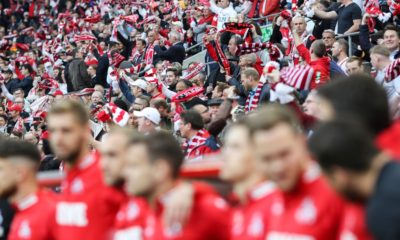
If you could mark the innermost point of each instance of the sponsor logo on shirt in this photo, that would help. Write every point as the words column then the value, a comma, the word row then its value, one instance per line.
column 77, row 186
column 24, row 230
column 307, row 212
column 132, row 233
column 237, row 223
column 256, row 226
column 288, row 236
column 347, row 236
column 133, row 211
column 72, row 214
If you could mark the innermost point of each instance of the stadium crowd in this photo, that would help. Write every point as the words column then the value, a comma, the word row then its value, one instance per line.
column 295, row 105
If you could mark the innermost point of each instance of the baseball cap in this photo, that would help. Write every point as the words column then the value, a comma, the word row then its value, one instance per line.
column 150, row 113
column 140, row 83
column 15, row 107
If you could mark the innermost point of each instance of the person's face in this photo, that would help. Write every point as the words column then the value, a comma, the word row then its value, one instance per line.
column 151, row 37
column 375, row 61
column 18, row 94
column 328, row 39
column 336, row 49
column 341, row 181
column 96, row 98
column 391, row 40
column 281, row 154
column 14, row 114
column 159, row 69
column 184, row 129
column 138, row 105
column 136, row 91
column 30, row 138
column 216, row 93
column 137, row 168
column 180, row 86
column 311, row 106
column 8, row 184
column 91, row 71
column 204, row 112
column 20, row 102
column 224, row 3
column 325, row 109
column 299, row 25
column 238, row 156
column 67, row 137
column 247, row 82
column 232, row 46
column 140, row 46
column 113, row 150
column 170, row 78
column 151, row 87
column 2, row 122
column 353, row 68
column 213, row 111
column 24, row 71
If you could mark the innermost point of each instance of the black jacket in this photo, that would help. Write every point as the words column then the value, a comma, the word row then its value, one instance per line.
column 78, row 74
column 175, row 53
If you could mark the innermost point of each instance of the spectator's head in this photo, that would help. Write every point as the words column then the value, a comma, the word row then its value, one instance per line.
column 20, row 102
column 223, row 3
column 280, row 147
column 161, row 105
column 311, row 104
column 199, row 79
column 172, row 76
column 247, row 60
column 3, row 120
column 26, row 69
column 380, row 57
column 345, row 151
column 138, row 87
column 97, row 97
column 214, row 105
column 357, row 96
column 219, row 90
column 99, row 88
column 354, row 65
column 140, row 45
column 69, row 131
column 174, row 37
column 151, row 37
column 239, row 162
column 204, row 112
column 148, row 119
column 191, row 123
column 233, row 44
column 299, row 24
column 30, row 137
column 15, row 111
column 340, row 48
column 328, row 36
column 391, row 38
column 19, row 162
column 92, row 70
column 77, row 53
column 318, row 49
column 156, row 158
column 7, row 74
column 113, row 149
column 19, row 92
column 250, row 78
column 183, row 85
column 140, row 103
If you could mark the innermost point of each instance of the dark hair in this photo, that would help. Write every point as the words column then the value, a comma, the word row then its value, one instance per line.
column 360, row 97
column 319, row 48
column 343, row 43
column 143, row 41
column 19, row 89
column 194, row 118
column 158, row 103
column 187, row 83
column 47, row 150
column 19, row 148
column 4, row 117
column 343, row 143
column 28, row 67
column 164, row 146
column 355, row 59
column 391, row 27
column 174, row 70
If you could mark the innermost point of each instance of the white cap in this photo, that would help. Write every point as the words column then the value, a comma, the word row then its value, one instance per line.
column 140, row 83
column 150, row 113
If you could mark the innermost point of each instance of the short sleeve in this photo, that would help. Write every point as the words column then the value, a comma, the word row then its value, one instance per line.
column 356, row 12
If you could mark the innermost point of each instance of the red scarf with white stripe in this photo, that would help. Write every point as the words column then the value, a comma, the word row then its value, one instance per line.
column 252, row 105
column 148, row 59
column 198, row 140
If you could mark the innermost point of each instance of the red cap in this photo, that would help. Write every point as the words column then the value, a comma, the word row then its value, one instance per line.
column 15, row 107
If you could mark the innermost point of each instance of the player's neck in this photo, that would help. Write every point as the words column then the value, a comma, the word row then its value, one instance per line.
column 367, row 181
column 81, row 157
column 24, row 190
column 242, row 188
column 341, row 57
column 160, row 190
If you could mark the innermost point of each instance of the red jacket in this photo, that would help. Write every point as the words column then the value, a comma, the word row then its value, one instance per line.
column 209, row 220
column 321, row 67
column 312, row 211
column 247, row 220
column 87, row 207
column 34, row 218
column 389, row 140
column 353, row 224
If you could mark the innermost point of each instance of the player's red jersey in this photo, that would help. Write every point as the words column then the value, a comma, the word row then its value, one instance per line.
column 34, row 217
column 87, row 207
column 247, row 220
column 130, row 220
column 353, row 224
column 209, row 220
column 313, row 211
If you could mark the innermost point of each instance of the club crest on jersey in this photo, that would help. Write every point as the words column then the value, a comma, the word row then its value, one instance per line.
column 307, row 212
column 133, row 211
column 174, row 230
column 77, row 186
column 24, row 230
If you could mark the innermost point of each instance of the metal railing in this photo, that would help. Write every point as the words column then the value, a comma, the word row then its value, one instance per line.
column 349, row 40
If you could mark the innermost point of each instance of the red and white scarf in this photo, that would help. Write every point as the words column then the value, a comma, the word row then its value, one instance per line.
column 199, row 139
column 148, row 58
column 252, row 105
